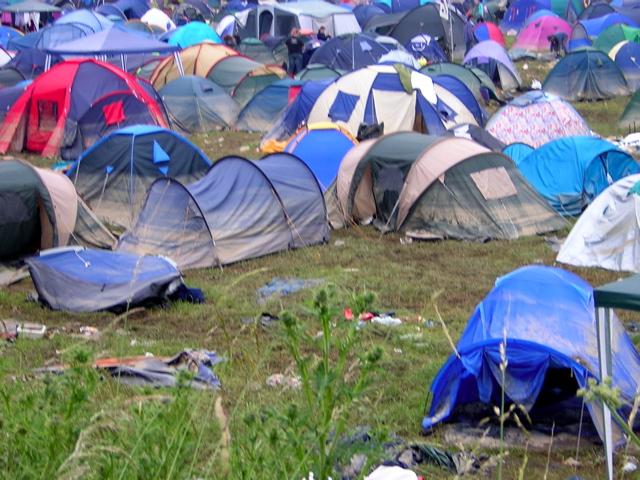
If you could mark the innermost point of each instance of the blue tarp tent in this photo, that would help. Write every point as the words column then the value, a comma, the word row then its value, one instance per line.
column 241, row 209
column 570, row 172
column 82, row 280
column 546, row 316
column 113, row 176
column 322, row 147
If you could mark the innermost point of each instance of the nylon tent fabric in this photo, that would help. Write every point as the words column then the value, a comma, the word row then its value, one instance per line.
column 317, row 72
column 241, row 209
column 228, row 71
column 349, row 52
column 547, row 316
column 321, row 147
column 254, row 48
column 586, row 74
column 254, row 81
column 477, row 134
column 90, row 19
column 31, row 62
column 41, row 210
column 52, row 105
column 627, row 57
column 596, row 10
column 155, row 17
column 570, row 172
column 259, row 113
column 488, row 31
column 536, row 118
column 615, row 34
column 517, row 151
column 473, row 78
column 426, row 47
column 427, row 19
column 631, row 113
column 579, row 38
column 376, row 94
column 597, row 26
column 197, row 105
column 82, row 280
column 441, row 188
column 490, row 57
column 296, row 113
column 364, row 11
column 6, row 33
column 196, row 60
column 535, row 35
column 193, row 33
column 113, row 176
column 606, row 234
column 518, row 12
column 132, row 8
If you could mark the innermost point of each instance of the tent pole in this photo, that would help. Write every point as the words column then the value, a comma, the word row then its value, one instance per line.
column 178, row 60
column 603, row 325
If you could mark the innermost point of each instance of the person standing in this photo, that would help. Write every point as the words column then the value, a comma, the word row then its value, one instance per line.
column 468, row 34
column 295, row 47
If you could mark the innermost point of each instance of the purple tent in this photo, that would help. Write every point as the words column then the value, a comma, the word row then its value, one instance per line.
column 493, row 59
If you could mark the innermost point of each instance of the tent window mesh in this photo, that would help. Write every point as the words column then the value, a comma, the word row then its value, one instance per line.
column 47, row 115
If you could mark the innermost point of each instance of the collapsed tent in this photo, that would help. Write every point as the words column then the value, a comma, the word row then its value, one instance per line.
column 400, row 98
column 82, row 280
column 607, row 233
column 42, row 210
column 322, row 147
column 45, row 117
column 241, row 209
column 113, row 176
column 433, row 188
column 543, row 319
column 570, row 172
column 492, row 58
column 536, row 118
column 586, row 74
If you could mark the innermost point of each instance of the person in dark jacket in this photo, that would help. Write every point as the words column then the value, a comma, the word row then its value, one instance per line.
column 295, row 47
column 468, row 35
column 322, row 35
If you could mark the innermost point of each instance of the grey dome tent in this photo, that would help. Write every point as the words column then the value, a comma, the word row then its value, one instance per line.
column 240, row 209
column 197, row 104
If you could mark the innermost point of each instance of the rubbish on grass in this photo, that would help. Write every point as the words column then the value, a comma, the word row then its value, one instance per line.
column 31, row 330
column 91, row 332
column 279, row 287
column 279, row 380
column 348, row 314
column 265, row 319
column 391, row 473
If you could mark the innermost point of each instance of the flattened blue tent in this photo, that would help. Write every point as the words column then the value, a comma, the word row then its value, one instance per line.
column 547, row 316
column 83, row 280
column 570, row 172
column 241, row 209
column 113, row 176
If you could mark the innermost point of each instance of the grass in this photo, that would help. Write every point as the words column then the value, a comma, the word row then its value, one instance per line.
column 81, row 425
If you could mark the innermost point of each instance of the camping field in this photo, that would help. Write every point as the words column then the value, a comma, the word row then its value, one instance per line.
column 81, row 424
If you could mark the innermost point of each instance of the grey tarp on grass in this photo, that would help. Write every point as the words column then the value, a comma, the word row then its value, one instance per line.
column 241, row 209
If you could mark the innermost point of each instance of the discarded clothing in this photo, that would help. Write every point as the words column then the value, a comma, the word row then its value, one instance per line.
column 163, row 371
column 279, row 287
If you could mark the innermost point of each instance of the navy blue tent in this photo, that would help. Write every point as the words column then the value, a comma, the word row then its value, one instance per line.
column 83, row 280
column 350, row 51
column 241, row 209
column 571, row 171
column 31, row 62
column 113, row 176
column 364, row 11
column 628, row 59
column 516, row 15
column 425, row 46
column 259, row 113
column 543, row 320
column 595, row 26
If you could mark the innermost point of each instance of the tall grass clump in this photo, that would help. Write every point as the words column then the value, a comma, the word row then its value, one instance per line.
column 310, row 434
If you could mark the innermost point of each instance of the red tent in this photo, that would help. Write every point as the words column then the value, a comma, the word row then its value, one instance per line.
column 45, row 117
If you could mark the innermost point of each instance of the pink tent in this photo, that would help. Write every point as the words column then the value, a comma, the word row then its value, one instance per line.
column 534, row 36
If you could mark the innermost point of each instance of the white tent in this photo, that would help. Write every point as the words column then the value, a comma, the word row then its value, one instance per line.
column 607, row 235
